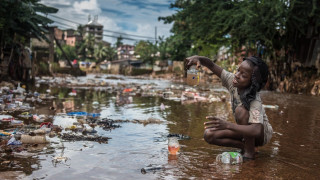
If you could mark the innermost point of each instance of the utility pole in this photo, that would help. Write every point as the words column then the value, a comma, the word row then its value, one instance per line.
column 155, row 34
column 51, row 48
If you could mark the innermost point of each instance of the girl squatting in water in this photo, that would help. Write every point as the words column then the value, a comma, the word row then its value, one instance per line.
column 252, row 127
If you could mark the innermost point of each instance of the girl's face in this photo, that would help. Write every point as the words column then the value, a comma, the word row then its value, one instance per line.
column 242, row 78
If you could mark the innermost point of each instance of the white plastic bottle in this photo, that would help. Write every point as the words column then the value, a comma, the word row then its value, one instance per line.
column 229, row 158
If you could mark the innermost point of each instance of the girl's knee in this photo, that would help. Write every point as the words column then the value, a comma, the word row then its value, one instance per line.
column 241, row 115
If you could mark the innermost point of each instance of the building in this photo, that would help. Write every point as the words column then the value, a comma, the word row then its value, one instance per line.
column 94, row 28
column 126, row 52
column 58, row 33
column 73, row 39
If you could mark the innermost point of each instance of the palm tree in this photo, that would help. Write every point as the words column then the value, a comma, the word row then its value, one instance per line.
column 87, row 47
column 100, row 53
column 19, row 21
column 23, row 18
column 111, row 53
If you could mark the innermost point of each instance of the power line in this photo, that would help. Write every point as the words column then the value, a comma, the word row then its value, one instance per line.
column 65, row 19
column 129, row 34
column 124, row 38
column 148, row 37
column 63, row 24
column 132, row 39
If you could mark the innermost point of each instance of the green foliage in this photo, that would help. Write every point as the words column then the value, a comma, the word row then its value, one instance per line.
column 272, row 25
column 119, row 41
column 111, row 53
column 178, row 47
column 147, row 51
column 43, row 68
column 86, row 48
column 25, row 18
column 70, row 51
column 163, row 49
column 100, row 52
column 55, row 66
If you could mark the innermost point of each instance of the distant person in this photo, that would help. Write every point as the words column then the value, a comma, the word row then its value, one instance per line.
column 75, row 63
column 252, row 126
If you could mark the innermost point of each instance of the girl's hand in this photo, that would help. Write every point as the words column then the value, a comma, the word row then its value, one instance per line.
column 216, row 123
column 193, row 60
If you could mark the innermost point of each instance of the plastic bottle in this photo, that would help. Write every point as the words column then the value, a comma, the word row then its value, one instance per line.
column 26, row 139
column 193, row 76
column 173, row 145
column 229, row 158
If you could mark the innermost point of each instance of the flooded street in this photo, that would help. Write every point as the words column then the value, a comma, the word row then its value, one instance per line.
column 146, row 119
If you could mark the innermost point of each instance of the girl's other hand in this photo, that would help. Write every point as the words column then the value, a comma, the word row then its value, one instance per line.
column 215, row 123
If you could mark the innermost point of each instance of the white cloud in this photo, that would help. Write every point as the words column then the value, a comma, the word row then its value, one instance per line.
column 56, row 2
column 83, row 6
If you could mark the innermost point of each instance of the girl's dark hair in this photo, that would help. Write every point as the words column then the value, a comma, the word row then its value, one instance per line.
column 259, row 79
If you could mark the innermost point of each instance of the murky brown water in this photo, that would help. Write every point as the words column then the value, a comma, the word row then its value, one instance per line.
column 293, row 152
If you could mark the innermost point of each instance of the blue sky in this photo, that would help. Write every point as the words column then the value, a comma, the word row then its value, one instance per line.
column 133, row 18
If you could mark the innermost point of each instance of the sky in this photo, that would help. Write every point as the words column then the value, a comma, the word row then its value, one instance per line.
column 133, row 19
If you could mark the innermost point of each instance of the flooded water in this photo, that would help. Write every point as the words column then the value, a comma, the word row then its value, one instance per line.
column 293, row 152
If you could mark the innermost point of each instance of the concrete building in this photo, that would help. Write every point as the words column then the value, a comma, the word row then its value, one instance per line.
column 94, row 28
column 126, row 52
column 73, row 39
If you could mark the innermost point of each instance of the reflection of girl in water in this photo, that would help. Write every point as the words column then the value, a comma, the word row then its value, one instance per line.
column 252, row 127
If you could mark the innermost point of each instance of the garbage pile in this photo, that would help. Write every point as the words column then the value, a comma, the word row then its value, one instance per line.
column 125, row 90
column 22, row 129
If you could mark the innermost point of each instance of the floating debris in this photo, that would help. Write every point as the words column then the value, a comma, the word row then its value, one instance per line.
column 179, row 136
column 150, row 169
column 108, row 124
column 275, row 107
column 75, row 137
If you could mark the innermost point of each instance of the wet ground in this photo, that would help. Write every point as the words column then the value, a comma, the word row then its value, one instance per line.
column 293, row 152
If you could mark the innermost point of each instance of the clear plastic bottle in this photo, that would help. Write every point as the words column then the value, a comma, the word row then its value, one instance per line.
column 193, row 76
column 173, row 145
column 229, row 158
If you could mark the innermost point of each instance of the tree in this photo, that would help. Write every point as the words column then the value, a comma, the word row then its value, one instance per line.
column 163, row 49
column 146, row 50
column 24, row 18
column 70, row 52
column 119, row 41
column 273, row 25
column 87, row 47
column 111, row 53
column 19, row 21
column 80, row 30
column 100, row 52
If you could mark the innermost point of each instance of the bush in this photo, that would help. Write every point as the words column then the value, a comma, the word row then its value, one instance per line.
column 43, row 68
column 55, row 67
column 161, row 72
column 136, row 71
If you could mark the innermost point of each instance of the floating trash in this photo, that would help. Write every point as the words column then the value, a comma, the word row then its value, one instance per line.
column 6, row 118
column 229, row 158
column 150, row 169
column 179, row 136
column 275, row 107
column 173, row 145
column 75, row 137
